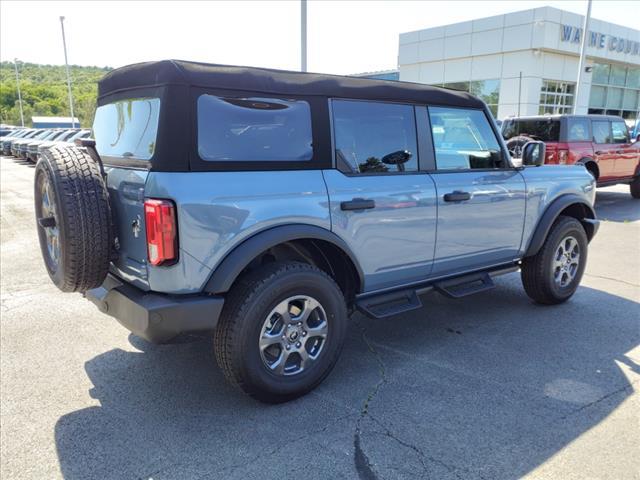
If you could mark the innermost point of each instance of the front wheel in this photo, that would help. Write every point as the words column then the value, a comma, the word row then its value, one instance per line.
column 281, row 331
column 552, row 275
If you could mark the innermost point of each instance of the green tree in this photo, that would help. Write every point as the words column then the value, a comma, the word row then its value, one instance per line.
column 44, row 91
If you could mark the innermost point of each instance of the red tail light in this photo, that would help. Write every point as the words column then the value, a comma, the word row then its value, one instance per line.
column 162, row 231
column 563, row 156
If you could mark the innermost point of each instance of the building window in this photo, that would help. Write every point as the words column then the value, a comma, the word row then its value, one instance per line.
column 633, row 78
column 597, row 97
column 618, row 75
column 556, row 97
column 487, row 90
column 615, row 90
column 601, row 73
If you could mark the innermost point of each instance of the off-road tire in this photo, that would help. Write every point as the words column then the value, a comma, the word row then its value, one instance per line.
column 248, row 305
column 82, row 215
column 634, row 187
column 537, row 270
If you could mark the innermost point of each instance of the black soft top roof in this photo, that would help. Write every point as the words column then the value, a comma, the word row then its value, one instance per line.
column 281, row 82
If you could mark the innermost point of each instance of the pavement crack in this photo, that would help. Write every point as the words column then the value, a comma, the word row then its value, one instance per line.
column 231, row 469
column 362, row 463
column 458, row 472
column 598, row 400
column 612, row 279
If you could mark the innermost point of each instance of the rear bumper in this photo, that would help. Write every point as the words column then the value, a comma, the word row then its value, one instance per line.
column 155, row 317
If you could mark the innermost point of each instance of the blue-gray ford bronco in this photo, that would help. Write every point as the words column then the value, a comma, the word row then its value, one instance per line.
column 266, row 206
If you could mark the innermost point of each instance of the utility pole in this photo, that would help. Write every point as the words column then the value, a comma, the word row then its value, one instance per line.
column 15, row 64
column 303, row 35
column 583, row 48
column 66, row 63
column 519, row 92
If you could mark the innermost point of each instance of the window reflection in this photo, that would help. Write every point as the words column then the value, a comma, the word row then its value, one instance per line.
column 463, row 139
column 127, row 128
column 375, row 137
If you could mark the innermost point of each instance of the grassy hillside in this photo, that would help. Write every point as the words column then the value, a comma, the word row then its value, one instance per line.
column 44, row 91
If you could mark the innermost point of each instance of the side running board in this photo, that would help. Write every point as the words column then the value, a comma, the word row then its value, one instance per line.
column 467, row 285
column 389, row 304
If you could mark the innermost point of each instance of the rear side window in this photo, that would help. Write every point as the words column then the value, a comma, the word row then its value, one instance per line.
column 127, row 128
column 463, row 139
column 375, row 137
column 253, row 129
column 546, row 130
column 601, row 132
column 578, row 130
column 620, row 132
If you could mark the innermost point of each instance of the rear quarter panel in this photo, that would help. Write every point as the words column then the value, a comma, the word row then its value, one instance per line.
column 218, row 210
column 545, row 184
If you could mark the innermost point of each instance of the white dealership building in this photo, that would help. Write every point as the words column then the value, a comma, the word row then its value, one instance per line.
column 527, row 62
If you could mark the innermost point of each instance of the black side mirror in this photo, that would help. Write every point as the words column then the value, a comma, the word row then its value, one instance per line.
column 533, row 153
column 399, row 158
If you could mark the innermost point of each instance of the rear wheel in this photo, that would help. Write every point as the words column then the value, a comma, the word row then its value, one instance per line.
column 552, row 275
column 634, row 187
column 281, row 331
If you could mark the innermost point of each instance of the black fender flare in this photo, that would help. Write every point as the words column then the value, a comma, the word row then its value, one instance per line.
column 553, row 212
column 584, row 161
column 236, row 260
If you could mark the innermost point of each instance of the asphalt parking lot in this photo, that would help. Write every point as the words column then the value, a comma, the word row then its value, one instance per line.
column 488, row 387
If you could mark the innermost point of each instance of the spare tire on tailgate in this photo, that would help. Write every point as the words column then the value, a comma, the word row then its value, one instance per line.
column 515, row 145
column 73, row 218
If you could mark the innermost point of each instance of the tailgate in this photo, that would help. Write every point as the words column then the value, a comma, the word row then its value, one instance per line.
column 552, row 153
column 126, row 194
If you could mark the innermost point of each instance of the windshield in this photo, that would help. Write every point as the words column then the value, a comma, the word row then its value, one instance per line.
column 127, row 128
column 76, row 135
column 544, row 129
column 51, row 135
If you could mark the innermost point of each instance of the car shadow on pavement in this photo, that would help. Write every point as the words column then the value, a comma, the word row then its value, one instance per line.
column 617, row 206
column 486, row 387
column 22, row 161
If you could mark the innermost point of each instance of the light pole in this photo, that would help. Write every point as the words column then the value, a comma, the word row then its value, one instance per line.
column 583, row 47
column 66, row 63
column 15, row 64
column 303, row 35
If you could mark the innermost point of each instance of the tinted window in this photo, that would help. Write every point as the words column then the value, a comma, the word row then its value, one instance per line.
column 253, row 129
column 375, row 137
column 544, row 129
column 578, row 130
column 620, row 132
column 463, row 139
column 127, row 128
column 601, row 132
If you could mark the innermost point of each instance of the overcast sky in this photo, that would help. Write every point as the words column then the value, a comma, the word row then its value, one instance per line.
column 343, row 37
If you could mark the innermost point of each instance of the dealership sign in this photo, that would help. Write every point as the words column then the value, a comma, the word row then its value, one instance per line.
column 572, row 34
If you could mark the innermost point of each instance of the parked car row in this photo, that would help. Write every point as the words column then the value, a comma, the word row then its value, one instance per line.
column 28, row 143
column 603, row 144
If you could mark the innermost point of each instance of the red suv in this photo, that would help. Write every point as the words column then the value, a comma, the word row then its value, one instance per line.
column 599, row 142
